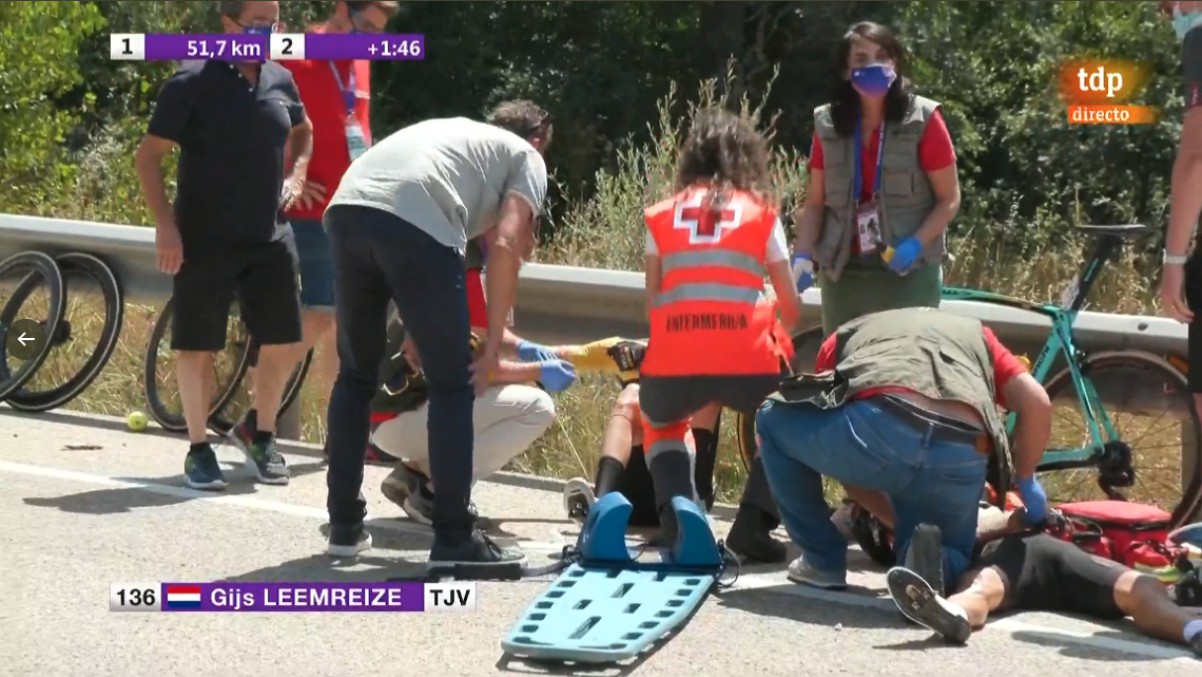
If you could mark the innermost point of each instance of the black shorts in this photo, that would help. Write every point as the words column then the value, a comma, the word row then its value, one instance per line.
column 1044, row 573
column 1193, row 296
column 667, row 399
column 263, row 278
column 1191, row 67
column 638, row 488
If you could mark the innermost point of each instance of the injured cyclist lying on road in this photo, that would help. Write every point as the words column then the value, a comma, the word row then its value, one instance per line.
column 1016, row 569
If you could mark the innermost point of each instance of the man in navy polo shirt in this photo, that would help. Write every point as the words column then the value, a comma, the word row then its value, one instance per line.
column 224, row 238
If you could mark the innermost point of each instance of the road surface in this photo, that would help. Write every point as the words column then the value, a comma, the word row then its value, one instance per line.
column 86, row 504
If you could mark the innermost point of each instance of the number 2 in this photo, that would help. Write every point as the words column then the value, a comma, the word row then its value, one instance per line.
column 127, row 51
column 287, row 47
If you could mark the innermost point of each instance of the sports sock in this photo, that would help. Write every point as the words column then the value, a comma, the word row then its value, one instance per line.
column 1192, row 630
column 262, row 437
column 707, row 456
column 199, row 448
column 251, row 419
column 609, row 473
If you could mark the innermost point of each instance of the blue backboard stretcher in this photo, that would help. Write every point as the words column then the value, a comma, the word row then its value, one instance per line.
column 609, row 607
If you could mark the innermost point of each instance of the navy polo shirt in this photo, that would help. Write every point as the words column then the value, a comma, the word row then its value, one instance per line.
column 233, row 137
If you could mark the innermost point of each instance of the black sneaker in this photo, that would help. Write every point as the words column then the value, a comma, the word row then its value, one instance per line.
column 919, row 602
column 267, row 463
column 477, row 550
column 201, row 470
column 419, row 506
column 925, row 556
column 751, row 541
column 348, row 540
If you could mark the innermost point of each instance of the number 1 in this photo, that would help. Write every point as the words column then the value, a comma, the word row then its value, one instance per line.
column 287, row 47
column 127, row 51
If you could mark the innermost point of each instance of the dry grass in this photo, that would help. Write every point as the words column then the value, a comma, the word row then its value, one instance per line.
column 606, row 231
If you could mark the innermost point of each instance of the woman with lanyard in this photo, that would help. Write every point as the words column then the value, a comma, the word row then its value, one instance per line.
column 882, row 188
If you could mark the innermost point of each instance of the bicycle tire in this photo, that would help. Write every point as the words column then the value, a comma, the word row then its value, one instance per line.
column 1191, row 494
column 43, row 265
column 805, row 351
column 166, row 418
column 221, row 420
column 92, row 267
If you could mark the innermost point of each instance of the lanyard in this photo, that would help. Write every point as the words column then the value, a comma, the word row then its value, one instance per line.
column 348, row 93
column 880, row 156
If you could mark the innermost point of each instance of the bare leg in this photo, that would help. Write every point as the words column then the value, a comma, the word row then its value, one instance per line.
column 194, row 376
column 276, row 363
column 624, row 429
column 875, row 502
column 319, row 335
column 981, row 591
column 1146, row 601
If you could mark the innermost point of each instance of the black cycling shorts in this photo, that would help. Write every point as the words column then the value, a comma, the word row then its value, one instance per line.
column 1044, row 573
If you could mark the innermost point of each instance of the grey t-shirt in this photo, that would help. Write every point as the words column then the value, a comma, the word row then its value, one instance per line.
column 446, row 176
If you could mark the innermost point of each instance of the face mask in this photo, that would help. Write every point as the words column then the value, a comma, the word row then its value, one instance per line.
column 1184, row 23
column 874, row 79
column 258, row 30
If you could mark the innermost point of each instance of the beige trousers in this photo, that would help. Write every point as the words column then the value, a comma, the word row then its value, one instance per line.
column 507, row 419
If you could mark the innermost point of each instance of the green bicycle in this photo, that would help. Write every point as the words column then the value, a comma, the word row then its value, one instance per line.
column 1098, row 389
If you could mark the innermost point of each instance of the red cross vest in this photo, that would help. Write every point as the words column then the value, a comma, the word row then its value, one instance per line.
column 711, row 317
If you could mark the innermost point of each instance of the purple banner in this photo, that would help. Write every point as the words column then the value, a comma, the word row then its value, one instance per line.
column 222, row 46
column 303, row 596
column 371, row 47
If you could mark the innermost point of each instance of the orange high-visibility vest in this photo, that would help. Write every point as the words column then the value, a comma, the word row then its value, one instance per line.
column 711, row 316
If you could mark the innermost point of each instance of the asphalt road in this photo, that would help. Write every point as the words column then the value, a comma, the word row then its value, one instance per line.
column 86, row 504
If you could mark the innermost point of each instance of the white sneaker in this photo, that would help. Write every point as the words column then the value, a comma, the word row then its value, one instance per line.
column 578, row 499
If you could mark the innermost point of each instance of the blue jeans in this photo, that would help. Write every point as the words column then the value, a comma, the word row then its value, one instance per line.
column 316, row 265
column 860, row 444
column 379, row 257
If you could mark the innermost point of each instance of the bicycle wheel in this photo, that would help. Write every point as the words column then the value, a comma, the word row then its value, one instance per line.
column 57, row 382
column 162, row 396
column 805, row 349
column 239, row 403
column 1171, row 453
column 36, row 269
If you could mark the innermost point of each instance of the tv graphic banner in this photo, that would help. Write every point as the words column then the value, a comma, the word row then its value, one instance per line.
column 304, row 596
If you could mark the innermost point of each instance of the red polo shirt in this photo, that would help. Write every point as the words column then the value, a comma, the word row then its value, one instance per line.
column 326, row 107
column 1005, row 366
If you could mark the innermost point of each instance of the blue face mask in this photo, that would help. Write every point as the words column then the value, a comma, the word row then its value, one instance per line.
column 259, row 30
column 1184, row 23
column 874, row 79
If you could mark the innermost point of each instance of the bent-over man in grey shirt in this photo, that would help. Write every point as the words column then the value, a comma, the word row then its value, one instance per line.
column 398, row 226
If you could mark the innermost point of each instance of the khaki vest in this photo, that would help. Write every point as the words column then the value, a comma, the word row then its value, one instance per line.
column 906, row 194
column 932, row 352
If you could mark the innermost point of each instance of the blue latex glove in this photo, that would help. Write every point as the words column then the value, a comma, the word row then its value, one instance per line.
column 528, row 351
column 556, row 375
column 905, row 254
column 1035, row 500
column 803, row 271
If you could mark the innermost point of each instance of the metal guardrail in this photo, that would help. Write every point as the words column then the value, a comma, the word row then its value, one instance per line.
column 565, row 304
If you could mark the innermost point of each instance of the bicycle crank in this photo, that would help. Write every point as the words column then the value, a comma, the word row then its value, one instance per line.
column 1115, row 469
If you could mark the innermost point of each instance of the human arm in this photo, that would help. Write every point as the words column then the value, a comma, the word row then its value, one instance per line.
column 780, row 273
column 937, row 159
column 1020, row 393
column 300, row 151
column 168, row 124
column 653, row 272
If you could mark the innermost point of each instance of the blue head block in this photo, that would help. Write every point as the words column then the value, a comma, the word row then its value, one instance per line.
column 603, row 536
column 695, row 545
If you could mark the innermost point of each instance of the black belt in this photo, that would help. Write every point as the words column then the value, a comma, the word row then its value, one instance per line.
column 938, row 426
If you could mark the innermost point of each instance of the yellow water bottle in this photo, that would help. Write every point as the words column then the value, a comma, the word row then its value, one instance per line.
column 887, row 255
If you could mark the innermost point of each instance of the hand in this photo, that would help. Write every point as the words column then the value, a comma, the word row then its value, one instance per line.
column 409, row 350
column 803, row 271
column 483, row 368
column 528, row 351
column 168, row 247
column 905, row 255
column 556, row 375
column 1172, row 294
column 1035, row 500
column 290, row 193
column 312, row 194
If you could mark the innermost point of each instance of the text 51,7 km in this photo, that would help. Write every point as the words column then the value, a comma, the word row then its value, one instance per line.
column 275, row 47
column 302, row 596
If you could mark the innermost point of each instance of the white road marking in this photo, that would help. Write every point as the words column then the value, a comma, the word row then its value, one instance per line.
column 768, row 582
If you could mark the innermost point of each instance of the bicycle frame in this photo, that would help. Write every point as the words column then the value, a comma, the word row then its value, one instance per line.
column 1061, row 342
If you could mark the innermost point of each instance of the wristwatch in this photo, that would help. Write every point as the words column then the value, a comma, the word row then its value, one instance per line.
column 1174, row 260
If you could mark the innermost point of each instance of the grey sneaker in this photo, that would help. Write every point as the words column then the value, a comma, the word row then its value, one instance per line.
column 419, row 506
column 401, row 483
column 201, row 471
column 348, row 540
column 578, row 498
column 919, row 602
column 925, row 556
column 801, row 572
column 267, row 463
column 476, row 550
